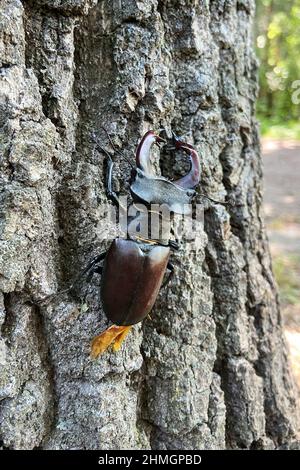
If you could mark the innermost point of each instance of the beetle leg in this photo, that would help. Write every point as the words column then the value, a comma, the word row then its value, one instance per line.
column 109, row 187
column 92, row 263
column 109, row 191
column 173, row 244
column 113, row 336
column 94, row 270
column 88, row 270
column 98, row 270
column 171, row 269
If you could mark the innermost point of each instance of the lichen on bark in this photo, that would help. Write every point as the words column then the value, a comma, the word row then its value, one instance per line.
column 210, row 369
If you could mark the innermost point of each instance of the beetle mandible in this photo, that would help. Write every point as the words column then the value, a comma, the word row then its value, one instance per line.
column 133, row 268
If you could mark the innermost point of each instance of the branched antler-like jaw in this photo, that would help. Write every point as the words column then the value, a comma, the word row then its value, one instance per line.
column 192, row 178
column 152, row 189
column 143, row 159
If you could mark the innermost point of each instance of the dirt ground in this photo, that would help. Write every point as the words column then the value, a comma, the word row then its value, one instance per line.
column 282, row 209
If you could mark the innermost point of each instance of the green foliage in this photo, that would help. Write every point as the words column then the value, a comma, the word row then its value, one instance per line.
column 277, row 128
column 278, row 48
column 286, row 270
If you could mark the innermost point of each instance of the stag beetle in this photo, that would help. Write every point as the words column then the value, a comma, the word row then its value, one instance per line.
column 133, row 269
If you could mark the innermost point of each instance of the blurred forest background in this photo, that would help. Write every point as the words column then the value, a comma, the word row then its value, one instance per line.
column 278, row 49
column 277, row 30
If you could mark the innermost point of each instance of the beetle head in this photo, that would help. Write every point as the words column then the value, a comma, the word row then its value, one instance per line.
column 153, row 189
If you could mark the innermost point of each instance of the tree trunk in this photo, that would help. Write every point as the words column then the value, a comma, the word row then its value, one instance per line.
column 209, row 370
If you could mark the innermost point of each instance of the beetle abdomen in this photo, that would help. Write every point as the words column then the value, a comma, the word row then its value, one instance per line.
column 132, row 277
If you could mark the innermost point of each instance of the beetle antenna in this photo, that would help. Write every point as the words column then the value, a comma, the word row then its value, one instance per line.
column 51, row 297
column 115, row 149
column 102, row 149
column 214, row 200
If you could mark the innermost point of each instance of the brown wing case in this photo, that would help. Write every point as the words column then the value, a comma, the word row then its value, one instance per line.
column 131, row 280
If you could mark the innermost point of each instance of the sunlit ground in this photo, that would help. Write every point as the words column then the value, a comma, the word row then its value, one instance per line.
column 282, row 208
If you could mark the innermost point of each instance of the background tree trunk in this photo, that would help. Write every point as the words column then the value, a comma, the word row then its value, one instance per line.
column 210, row 369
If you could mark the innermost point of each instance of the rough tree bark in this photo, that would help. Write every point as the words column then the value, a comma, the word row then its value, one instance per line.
column 210, row 369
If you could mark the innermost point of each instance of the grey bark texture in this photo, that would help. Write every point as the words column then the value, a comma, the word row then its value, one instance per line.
column 210, row 370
